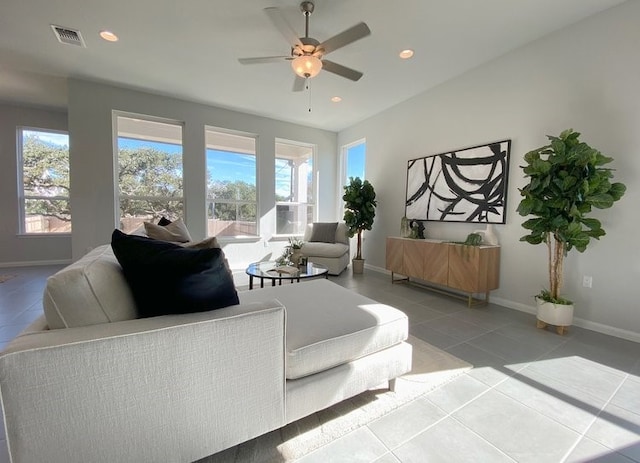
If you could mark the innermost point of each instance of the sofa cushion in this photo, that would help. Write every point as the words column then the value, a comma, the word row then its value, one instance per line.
column 324, row 249
column 174, row 231
column 90, row 291
column 328, row 325
column 166, row 278
column 324, row 232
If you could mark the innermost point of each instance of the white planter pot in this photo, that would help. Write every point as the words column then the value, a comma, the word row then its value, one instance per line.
column 559, row 315
column 357, row 265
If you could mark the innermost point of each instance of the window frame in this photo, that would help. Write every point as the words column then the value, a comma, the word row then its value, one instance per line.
column 116, row 160
column 314, row 185
column 236, row 133
column 344, row 180
column 22, row 197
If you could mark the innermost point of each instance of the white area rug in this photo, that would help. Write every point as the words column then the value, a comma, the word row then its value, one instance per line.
column 432, row 368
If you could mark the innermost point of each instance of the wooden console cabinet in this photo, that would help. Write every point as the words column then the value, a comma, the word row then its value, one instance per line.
column 469, row 269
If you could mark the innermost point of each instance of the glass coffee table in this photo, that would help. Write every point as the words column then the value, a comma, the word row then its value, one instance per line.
column 267, row 271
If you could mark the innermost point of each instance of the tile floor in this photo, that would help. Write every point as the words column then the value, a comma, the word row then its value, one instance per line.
column 532, row 396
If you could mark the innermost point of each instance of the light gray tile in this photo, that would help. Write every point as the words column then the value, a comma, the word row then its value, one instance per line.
column 457, row 393
column 616, row 354
column 418, row 313
column 590, row 451
column 436, row 338
column 520, row 432
column 567, row 405
column 446, row 442
column 486, row 367
column 482, row 316
column 591, row 377
column 617, row 429
column 510, row 349
column 358, row 446
column 628, row 396
column 387, row 458
column 457, row 329
column 404, row 423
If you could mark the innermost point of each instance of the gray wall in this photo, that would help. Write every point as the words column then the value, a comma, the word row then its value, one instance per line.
column 93, row 187
column 584, row 77
column 18, row 249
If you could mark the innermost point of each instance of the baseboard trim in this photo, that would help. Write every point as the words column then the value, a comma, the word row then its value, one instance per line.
column 35, row 263
column 531, row 309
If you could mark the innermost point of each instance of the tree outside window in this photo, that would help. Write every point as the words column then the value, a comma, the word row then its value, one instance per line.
column 150, row 173
column 44, row 174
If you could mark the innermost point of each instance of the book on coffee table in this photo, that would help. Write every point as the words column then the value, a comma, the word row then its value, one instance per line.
column 286, row 269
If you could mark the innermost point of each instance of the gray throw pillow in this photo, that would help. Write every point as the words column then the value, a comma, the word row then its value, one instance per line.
column 324, row 232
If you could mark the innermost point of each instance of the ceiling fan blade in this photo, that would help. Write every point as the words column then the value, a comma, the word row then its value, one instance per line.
column 275, row 15
column 352, row 34
column 341, row 70
column 299, row 83
column 264, row 59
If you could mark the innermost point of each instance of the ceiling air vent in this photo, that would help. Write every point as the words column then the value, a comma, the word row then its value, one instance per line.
column 68, row 36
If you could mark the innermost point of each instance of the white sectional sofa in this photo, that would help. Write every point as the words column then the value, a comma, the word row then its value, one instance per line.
column 105, row 386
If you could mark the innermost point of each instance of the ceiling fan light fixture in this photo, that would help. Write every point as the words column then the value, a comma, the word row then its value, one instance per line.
column 306, row 66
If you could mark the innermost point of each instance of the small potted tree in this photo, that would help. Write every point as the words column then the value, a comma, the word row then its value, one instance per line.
column 360, row 209
column 566, row 180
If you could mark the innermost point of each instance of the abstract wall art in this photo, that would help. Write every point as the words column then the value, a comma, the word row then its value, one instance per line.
column 466, row 185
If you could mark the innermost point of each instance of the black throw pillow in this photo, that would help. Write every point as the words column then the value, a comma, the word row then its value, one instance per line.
column 163, row 222
column 166, row 278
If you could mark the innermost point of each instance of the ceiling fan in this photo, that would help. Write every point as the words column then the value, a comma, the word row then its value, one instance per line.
column 307, row 53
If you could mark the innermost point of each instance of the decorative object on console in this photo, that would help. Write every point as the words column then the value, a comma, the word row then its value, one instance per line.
column 417, row 229
column 405, row 230
column 468, row 185
column 360, row 210
column 566, row 180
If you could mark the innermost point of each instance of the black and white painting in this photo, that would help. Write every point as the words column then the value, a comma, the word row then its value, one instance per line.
column 467, row 185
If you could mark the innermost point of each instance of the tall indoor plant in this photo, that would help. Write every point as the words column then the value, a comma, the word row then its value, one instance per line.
column 566, row 180
column 360, row 209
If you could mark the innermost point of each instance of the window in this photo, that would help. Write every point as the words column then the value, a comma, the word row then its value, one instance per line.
column 231, row 184
column 149, row 171
column 353, row 160
column 44, row 181
column 294, row 187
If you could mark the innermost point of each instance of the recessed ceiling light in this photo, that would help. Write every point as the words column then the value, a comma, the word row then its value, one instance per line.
column 109, row 36
column 406, row 54
column 336, row 99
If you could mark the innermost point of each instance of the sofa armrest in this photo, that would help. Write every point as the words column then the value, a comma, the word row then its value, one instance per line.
column 171, row 388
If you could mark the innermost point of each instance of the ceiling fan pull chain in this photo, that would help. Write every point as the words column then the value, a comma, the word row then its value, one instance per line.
column 309, row 90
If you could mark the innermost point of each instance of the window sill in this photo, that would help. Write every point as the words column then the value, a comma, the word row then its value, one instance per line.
column 43, row 235
column 238, row 239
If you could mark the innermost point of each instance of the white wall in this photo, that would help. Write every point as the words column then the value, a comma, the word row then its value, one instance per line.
column 18, row 249
column 93, row 190
column 584, row 77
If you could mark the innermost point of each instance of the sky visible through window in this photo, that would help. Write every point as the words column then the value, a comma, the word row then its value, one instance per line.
column 355, row 161
column 228, row 166
column 57, row 139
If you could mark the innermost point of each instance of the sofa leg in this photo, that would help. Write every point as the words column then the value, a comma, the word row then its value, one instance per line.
column 392, row 385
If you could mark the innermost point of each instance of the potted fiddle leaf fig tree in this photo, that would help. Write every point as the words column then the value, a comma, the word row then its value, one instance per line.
column 360, row 209
column 567, row 179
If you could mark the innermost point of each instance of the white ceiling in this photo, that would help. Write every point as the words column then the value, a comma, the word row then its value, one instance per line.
column 190, row 49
